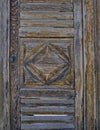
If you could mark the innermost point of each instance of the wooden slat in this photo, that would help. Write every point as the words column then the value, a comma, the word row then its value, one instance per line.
column 47, row 110
column 47, row 126
column 46, row 7
column 46, row 101
column 46, row 23
column 36, row 41
column 48, row 118
column 30, row 92
column 49, row 1
column 45, row 32
column 46, row 15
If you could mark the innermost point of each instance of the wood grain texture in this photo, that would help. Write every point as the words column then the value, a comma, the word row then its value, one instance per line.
column 46, row 101
column 4, row 65
column 14, row 77
column 78, row 64
column 45, row 108
column 47, row 64
column 46, row 15
column 89, row 64
column 48, row 118
column 47, row 23
column 46, row 7
column 47, row 126
column 45, row 32
column 49, row 1
column 30, row 92
column 97, row 59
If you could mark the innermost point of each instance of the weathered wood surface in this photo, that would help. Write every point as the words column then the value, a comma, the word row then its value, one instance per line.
column 49, row 1
column 47, row 101
column 46, row 7
column 47, row 32
column 49, row 118
column 97, row 51
column 47, row 126
column 30, row 92
column 46, row 56
column 48, row 15
column 89, row 64
column 78, row 51
column 41, row 69
column 14, row 72
column 1, row 74
column 64, row 98
column 45, row 109
column 4, row 65
column 47, row 23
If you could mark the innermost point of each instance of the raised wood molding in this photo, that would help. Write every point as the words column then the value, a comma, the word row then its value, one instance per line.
column 89, row 64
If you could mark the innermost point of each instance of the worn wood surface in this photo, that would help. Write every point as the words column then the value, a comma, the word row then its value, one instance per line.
column 48, row 15
column 49, row 1
column 98, row 61
column 46, row 93
column 78, row 53
column 89, row 64
column 14, row 71
column 4, row 65
column 46, row 7
column 42, row 64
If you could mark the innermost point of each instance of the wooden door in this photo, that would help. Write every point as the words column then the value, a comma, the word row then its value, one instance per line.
column 46, row 65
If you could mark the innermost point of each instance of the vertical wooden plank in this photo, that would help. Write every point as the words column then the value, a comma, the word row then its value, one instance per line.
column 1, row 72
column 14, row 69
column 78, row 53
column 89, row 63
column 4, row 65
column 98, row 62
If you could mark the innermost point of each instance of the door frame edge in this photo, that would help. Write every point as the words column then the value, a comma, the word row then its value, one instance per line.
column 4, row 65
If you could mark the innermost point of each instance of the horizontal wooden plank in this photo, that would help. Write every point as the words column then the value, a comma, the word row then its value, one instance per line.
column 45, row 32
column 46, row 23
column 46, row 7
column 47, row 110
column 49, row 1
column 46, row 101
column 48, row 118
column 30, row 92
column 36, row 41
column 47, row 126
column 48, row 15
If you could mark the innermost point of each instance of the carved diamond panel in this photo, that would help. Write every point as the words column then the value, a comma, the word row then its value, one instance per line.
column 48, row 64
